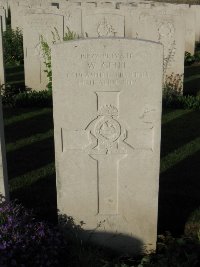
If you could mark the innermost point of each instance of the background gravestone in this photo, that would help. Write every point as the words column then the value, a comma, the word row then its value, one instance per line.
column 103, row 22
column 72, row 20
column 167, row 29
column 196, row 9
column 3, row 165
column 4, row 4
column 37, row 25
column 107, row 96
column 3, row 18
column 2, row 72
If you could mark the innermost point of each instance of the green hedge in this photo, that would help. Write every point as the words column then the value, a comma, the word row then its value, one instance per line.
column 13, row 46
column 33, row 99
column 44, row 99
column 182, row 102
column 28, row 99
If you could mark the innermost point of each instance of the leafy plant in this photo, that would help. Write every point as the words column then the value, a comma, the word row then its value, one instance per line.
column 9, row 92
column 13, row 46
column 172, row 94
column 173, row 85
column 46, row 51
column 33, row 99
column 174, row 252
column 25, row 241
column 69, row 35
column 190, row 59
column 192, row 226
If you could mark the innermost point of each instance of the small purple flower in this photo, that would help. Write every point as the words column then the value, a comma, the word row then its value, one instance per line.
column 2, row 247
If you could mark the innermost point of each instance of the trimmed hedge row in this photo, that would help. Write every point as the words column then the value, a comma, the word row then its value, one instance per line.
column 44, row 99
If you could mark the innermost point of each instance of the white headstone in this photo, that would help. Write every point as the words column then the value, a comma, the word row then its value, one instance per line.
column 167, row 29
column 2, row 72
column 196, row 9
column 188, row 20
column 3, row 18
column 107, row 96
column 37, row 25
column 103, row 22
column 3, row 165
column 72, row 20
column 19, row 12
column 4, row 4
column 190, row 28
column 17, row 16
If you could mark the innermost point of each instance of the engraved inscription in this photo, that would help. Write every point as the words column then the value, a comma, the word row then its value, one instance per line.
column 104, row 139
column 109, row 69
column 108, row 149
column 107, row 133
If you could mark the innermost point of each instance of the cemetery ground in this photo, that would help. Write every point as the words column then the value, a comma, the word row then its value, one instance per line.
column 31, row 171
column 32, row 180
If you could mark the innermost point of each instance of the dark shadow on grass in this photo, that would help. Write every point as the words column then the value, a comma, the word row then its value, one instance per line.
column 180, row 131
column 167, row 111
column 9, row 112
column 192, row 87
column 22, row 129
column 40, row 197
column 31, row 157
column 179, row 194
column 13, row 69
column 191, row 70
column 88, row 247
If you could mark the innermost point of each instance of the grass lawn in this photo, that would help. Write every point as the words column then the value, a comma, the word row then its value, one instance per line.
column 31, row 170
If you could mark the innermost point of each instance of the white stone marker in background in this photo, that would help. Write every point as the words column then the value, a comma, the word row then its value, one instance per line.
column 3, row 17
column 167, row 29
column 107, row 96
column 72, row 20
column 4, row 4
column 2, row 72
column 103, row 22
column 37, row 25
column 196, row 9
column 3, row 165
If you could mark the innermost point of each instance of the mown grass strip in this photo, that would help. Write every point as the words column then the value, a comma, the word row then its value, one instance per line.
column 31, row 177
column 179, row 155
column 171, row 115
column 25, row 116
column 29, row 140
column 191, row 78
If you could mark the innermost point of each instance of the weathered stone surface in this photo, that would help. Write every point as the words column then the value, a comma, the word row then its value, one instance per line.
column 37, row 25
column 17, row 16
column 188, row 21
column 19, row 13
column 73, row 20
column 103, row 22
column 196, row 10
column 107, row 96
column 4, row 4
column 2, row 72
column 188, row 17
column 3, row 18
column 3, row 165
column 165, row 28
